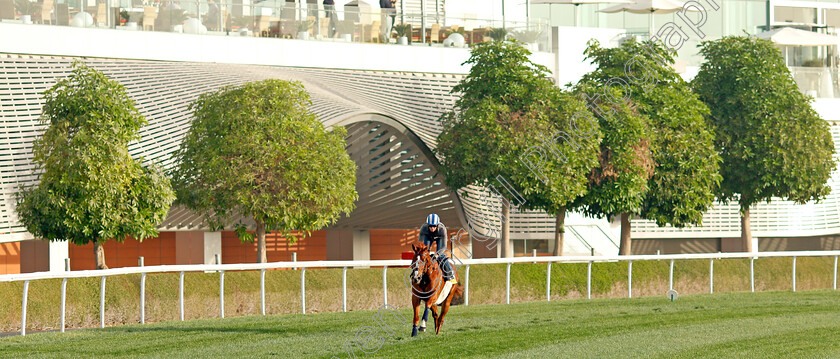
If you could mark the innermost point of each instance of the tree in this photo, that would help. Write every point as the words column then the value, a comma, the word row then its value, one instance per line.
column 772, row 142
column 91, row 189
column 511, row 122
column 256, row 150
column 619, row 184
column 563, row 176
column 686, row 173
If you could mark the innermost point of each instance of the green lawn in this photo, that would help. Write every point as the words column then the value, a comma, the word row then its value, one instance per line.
column 767, row 324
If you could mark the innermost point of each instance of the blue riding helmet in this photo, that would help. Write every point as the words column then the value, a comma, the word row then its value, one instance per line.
column 433, row 220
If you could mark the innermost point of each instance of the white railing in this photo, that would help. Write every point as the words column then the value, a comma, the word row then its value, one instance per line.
column 221, row 268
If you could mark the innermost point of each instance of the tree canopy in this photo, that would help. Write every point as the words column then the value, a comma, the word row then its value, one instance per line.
column 257, row 150
column 684, row 163
column 687, row 164
column 91, row 189
column 772, row 142
column 511, row 122
column 619, row 183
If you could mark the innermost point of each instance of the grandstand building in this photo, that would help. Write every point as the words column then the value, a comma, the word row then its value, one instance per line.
column 388, row 95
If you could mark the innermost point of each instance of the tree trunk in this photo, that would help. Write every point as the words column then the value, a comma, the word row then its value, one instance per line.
column 559, row 231
column 99, row 254
column 507, row 246
column 746, row 230
column 261, row 258
column 624, row 248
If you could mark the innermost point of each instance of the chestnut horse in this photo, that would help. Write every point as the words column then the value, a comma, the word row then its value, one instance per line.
column 426, row 285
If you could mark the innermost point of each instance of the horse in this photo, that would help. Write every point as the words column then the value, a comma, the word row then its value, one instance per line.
column 426, row 285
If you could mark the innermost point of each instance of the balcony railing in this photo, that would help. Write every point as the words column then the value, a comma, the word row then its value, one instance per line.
column 275, row 19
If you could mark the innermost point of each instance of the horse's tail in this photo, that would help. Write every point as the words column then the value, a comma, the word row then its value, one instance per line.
column 457, row 295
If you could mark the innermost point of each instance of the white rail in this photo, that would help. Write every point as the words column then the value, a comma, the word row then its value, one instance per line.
column 302, row 266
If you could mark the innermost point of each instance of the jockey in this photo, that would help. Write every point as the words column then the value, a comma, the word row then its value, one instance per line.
column 435, row 232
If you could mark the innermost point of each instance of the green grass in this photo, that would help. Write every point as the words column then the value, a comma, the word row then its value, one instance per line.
column 768, row 324
column 323, row 289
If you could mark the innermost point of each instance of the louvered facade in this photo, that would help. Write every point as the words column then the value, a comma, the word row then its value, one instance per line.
column 392, row 125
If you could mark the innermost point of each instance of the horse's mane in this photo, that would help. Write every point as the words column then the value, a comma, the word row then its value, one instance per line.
column 434, row 272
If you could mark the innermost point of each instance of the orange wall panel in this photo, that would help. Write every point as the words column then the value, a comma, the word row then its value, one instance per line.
column 278, row 248
column 155, row 251
column 10, row 258
column 390, row 243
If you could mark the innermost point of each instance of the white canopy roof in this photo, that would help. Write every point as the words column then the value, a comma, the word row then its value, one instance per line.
column 647, row 7
column 578, row 2
column 787, row 36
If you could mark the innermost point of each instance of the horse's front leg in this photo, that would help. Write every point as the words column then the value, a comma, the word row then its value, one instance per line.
column 435, row 316
column 415, row 302
column 444, row 308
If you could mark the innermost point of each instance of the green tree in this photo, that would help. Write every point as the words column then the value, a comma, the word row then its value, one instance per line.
column 772, row 142
column 91, row 189
column 686, row 173
column 257, row 151
column 619, row 183
column 512, row 123
column 562, row 177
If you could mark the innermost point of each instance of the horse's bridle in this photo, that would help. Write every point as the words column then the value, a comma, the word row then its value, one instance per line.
column 425, row 269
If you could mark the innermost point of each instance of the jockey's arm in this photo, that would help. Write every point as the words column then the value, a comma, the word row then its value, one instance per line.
column 442, row 241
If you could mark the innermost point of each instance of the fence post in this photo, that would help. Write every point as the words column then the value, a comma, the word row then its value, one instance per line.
column 752, row 274
column 793, row 284
column 63, row 301
column 589, row 280
column 23, row 308
column 548, row 282
column 102, row 302
column 629, row 279
column 467, row 286
column 181, row 294
column 344, row 288
column 142, row 293
column 221, row 294
column 262, row 291
column 671, row 276
column 294, row 259
column 385, row 284
column 303, row 290
column 711, row 275
column 835, row 272
column 535, row 254
column 507, row 284
column 64, row 292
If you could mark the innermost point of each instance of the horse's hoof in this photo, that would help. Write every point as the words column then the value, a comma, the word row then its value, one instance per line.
column 422, row 329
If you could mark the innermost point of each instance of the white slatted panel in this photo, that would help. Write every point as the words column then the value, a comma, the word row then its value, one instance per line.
column 397, row 179
column 164, row 90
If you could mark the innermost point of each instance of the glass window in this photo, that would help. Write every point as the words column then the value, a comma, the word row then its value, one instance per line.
column 806, row 15
column 832, row 17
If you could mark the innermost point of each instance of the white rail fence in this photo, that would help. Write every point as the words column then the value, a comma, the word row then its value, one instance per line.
column 222, row 268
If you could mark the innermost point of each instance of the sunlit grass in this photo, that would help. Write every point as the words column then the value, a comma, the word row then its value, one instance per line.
column 768, row 324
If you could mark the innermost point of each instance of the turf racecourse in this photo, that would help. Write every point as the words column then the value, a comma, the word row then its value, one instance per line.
column 766, row 324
